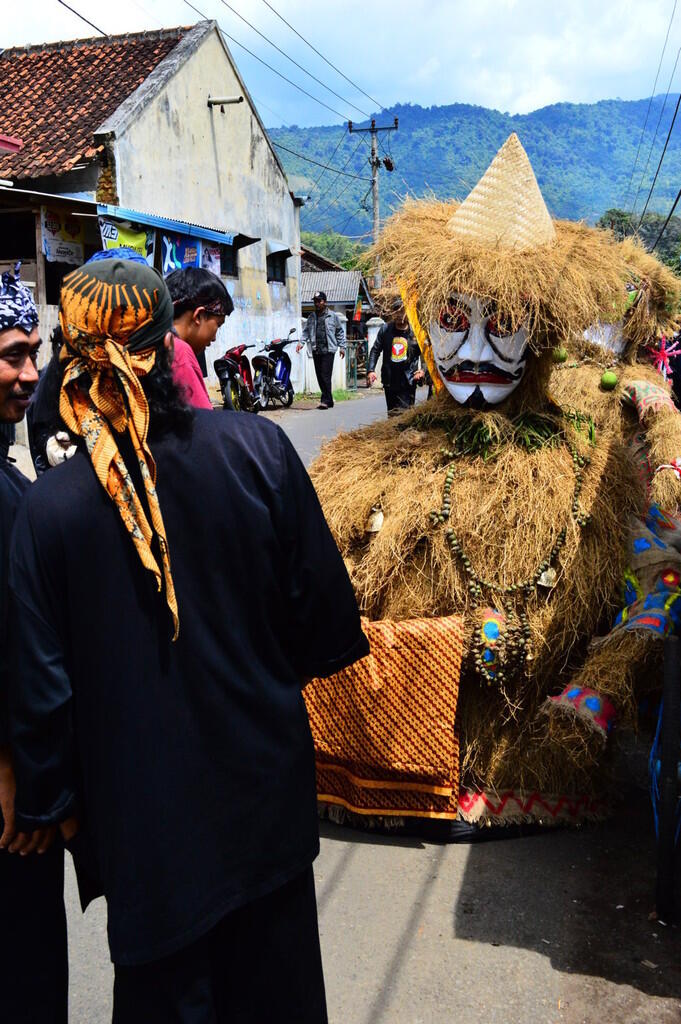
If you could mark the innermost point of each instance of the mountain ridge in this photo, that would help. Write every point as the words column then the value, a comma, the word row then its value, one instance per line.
column 582, row 154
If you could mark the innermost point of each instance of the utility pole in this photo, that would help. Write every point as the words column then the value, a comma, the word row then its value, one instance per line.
column 375, row 164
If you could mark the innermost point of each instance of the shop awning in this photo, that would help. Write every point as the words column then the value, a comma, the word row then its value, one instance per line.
column 181, row 227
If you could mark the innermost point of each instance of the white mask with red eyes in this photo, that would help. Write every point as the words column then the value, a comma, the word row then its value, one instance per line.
column 479, row 356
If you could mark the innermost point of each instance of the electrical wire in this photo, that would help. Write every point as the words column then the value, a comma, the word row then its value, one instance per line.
column 339, row 231
column 260, row 103
column 652, row 145
column 333, row 202
column 664, row 150
column 82, row 18
column 640, row 141
column 334, row 181
column 148, row 13
column 264, row 63
column 316, row 50
column 664, row 226
column 288, row 57
column 340, row 142
column 326, row 167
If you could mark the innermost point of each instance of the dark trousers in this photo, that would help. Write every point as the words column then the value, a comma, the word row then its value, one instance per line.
column 34, row 970
column 260, row 965
column 323, row 365
column 398, row 399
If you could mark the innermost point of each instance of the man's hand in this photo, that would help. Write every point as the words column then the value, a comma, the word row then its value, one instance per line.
column 7, row 792
column 371, row 378
column 299, row 347
column 342, row 353
column 33, row 842
column 419, row 376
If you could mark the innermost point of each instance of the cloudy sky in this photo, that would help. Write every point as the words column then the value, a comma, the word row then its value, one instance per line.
column 513, row 55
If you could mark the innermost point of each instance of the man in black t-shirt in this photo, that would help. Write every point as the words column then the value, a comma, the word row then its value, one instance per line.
column 400, row 372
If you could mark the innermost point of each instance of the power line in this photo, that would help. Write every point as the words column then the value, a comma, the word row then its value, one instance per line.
column 300, row 66
column 326, row 167
column 669, row 27
column 652, row 145
column 82, row 18
column 664, row 226
column 664, row 150
column 334, row 181
column 148, row 13
column 260, row 103
column 340, row 142
column 326, row 61
column 334, row 201
column 325, row 212
column 264, row 62
column 339, row 231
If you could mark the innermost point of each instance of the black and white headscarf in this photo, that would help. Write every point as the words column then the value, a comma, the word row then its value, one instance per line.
column 17, row 308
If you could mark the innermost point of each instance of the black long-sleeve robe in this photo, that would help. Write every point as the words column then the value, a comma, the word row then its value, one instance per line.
column 190, row 763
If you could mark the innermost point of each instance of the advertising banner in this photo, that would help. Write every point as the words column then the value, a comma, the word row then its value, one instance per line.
column 180, row 251
column 121, row 233
column 210, row 257
column 62, row 237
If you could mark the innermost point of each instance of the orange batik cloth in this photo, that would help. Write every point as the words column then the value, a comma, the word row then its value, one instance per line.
column 383, row 729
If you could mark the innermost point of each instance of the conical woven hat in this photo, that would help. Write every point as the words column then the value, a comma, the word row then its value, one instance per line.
column 505, row 210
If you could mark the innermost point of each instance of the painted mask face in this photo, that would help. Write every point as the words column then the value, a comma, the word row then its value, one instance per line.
column 478, row 355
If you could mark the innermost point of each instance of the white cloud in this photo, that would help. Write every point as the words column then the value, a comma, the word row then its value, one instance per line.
column 513, row 55
column 425, row 72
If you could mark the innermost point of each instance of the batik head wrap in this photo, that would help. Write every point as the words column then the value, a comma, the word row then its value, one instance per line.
column 113, row 315
column 17, row 308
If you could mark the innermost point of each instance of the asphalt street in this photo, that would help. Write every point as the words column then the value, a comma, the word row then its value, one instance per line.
column 308, row 429
column 552, row 928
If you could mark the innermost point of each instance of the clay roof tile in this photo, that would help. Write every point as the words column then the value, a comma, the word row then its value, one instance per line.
column 54, row 97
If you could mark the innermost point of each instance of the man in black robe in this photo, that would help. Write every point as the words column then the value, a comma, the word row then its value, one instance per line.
column 33, row 961
column 179, row 583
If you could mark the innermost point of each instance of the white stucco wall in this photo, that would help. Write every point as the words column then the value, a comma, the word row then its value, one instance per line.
column 181, row 159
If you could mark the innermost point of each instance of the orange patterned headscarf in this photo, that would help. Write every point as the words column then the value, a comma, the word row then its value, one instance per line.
column 113, row 315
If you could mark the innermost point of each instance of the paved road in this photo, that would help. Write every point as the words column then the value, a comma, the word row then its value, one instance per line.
column 309, row 429
column 547, row 929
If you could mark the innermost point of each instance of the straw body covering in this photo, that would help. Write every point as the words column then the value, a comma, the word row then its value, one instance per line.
column 505, row 210
column 113, row 314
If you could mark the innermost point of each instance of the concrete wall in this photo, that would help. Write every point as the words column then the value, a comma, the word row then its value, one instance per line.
column 179, row 158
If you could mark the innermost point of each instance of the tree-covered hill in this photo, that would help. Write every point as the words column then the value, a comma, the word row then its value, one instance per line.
column 582, row 154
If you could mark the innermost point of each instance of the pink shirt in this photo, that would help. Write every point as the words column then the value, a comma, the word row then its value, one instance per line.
column 187, row 375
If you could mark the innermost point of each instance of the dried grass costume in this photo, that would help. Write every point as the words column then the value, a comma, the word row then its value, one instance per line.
column 534, row 524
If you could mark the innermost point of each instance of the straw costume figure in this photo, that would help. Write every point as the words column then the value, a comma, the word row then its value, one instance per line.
column 505, row 541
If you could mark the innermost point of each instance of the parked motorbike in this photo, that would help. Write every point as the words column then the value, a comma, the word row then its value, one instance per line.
column 272, row 367
column 236, row 380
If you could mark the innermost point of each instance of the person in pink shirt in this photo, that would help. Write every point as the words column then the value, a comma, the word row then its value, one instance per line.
column 201, row 303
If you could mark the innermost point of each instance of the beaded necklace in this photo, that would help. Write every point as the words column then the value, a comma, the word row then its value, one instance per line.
column 516, row 640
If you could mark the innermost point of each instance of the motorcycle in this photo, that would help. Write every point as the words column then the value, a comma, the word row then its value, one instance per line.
column 236, row 380
column 273, row 373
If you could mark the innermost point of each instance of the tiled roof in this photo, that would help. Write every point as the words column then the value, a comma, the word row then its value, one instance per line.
column 53, row 97
column 338, row 285
column 315, row 261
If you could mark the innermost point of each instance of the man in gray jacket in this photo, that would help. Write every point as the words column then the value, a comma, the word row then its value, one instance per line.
column 324, row 335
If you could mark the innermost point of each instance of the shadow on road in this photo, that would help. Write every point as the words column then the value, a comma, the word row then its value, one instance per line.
column 337, row 833
column 580, row 897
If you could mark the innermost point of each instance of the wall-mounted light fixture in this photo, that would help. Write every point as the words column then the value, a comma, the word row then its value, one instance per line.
column 223, row 101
